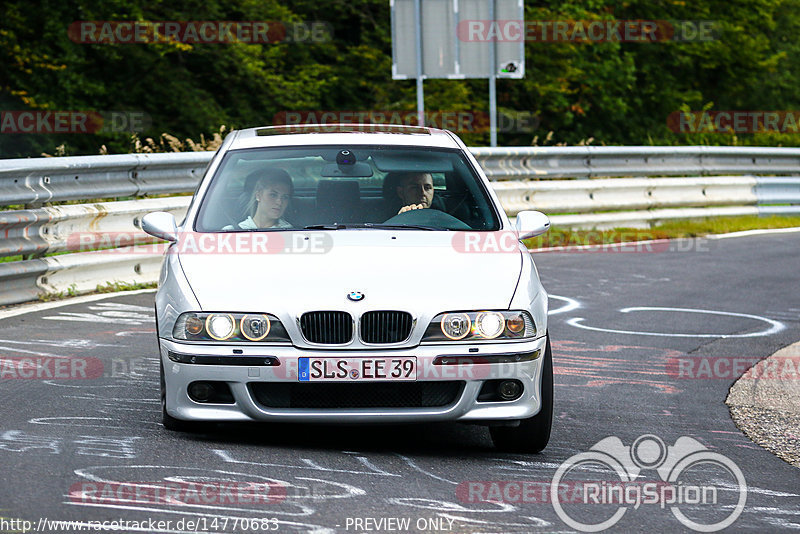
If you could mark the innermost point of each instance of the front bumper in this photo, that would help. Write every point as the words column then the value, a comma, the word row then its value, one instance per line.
column 246, row 407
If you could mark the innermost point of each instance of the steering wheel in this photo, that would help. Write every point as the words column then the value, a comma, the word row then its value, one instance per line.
column 429, row 217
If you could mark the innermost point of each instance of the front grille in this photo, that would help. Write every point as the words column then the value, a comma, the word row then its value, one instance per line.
column 327, row 327
column 385, row 326
column 362, row 395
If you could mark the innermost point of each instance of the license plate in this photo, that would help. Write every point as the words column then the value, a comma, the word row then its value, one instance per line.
column 356, row 369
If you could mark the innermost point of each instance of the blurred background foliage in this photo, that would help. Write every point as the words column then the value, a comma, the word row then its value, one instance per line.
column 603, row 93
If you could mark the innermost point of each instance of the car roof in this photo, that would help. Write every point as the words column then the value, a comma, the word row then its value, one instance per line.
column 342, row 134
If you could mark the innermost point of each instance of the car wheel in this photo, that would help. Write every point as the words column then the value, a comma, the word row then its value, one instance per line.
column 169, row 422
column 532, row 434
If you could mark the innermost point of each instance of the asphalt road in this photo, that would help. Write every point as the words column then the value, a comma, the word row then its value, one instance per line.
column 644, row 343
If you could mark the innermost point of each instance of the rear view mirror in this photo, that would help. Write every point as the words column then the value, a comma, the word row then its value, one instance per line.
column 160, row 224
column 531, row 223
column 355, row 170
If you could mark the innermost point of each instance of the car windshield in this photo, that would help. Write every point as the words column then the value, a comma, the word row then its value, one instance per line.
column 343, row 187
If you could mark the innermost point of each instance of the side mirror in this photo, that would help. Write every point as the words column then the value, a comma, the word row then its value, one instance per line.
column 160, row 224
column 532, row 223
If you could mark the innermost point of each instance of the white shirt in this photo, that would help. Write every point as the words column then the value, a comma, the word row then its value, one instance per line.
column 250, row 224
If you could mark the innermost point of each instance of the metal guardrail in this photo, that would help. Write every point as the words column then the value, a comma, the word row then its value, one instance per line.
column 72, row 228
column 528, row 163
column 551, row 179
column 36, row 181
column 76, row 227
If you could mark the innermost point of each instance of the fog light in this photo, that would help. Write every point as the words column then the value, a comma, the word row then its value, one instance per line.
column 509, row 389
column 200, row 391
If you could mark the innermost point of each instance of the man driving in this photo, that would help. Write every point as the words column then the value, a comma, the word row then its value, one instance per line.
column 415, row 191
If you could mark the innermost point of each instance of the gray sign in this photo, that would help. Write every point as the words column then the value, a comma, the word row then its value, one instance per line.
column 457, row 39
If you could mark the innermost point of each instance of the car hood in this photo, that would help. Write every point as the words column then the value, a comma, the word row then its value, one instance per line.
column 415, row 271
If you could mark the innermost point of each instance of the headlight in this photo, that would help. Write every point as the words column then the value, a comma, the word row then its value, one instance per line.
column 234, row 327
column 255, row 327
column 474, row 326
column 456, row 326
column 489, row 325
column 220, row 326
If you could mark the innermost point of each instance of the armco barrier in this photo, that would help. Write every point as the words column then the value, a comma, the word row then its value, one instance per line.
column 527, row 163
column 36, row 181
column 577, row 186
column 48, row 229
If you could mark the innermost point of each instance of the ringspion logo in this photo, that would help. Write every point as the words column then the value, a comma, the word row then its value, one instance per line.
column 704, row 490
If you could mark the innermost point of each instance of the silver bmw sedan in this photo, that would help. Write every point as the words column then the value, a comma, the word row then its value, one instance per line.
column 352, row 274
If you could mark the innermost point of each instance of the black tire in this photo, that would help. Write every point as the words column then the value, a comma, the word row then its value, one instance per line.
column 169, row 422
column 532, row 434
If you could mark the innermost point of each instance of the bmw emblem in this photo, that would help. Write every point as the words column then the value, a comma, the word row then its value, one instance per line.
column 355, row 296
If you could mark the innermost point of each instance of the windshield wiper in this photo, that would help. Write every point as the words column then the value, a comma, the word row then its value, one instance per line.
column 334, row 226
column 362, row 226
column 400, row 226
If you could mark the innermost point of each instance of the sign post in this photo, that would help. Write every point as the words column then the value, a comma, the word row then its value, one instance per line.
column 418, row 45
column 456, row 39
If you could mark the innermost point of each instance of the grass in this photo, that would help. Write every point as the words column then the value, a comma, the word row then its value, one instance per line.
column 668, row 230
column 110, row 287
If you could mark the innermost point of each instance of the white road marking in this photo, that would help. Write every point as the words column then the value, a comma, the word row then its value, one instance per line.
column 88, row 474
column 747, row 233
column 775, row 326
column 100, row 422
column 352, row 491
column 571, row 304
column 445, row 506
column 535, row 522
column 68, row 343
column 415, row 466
column 226, row 456
column 48, row 354
column 41, row 306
